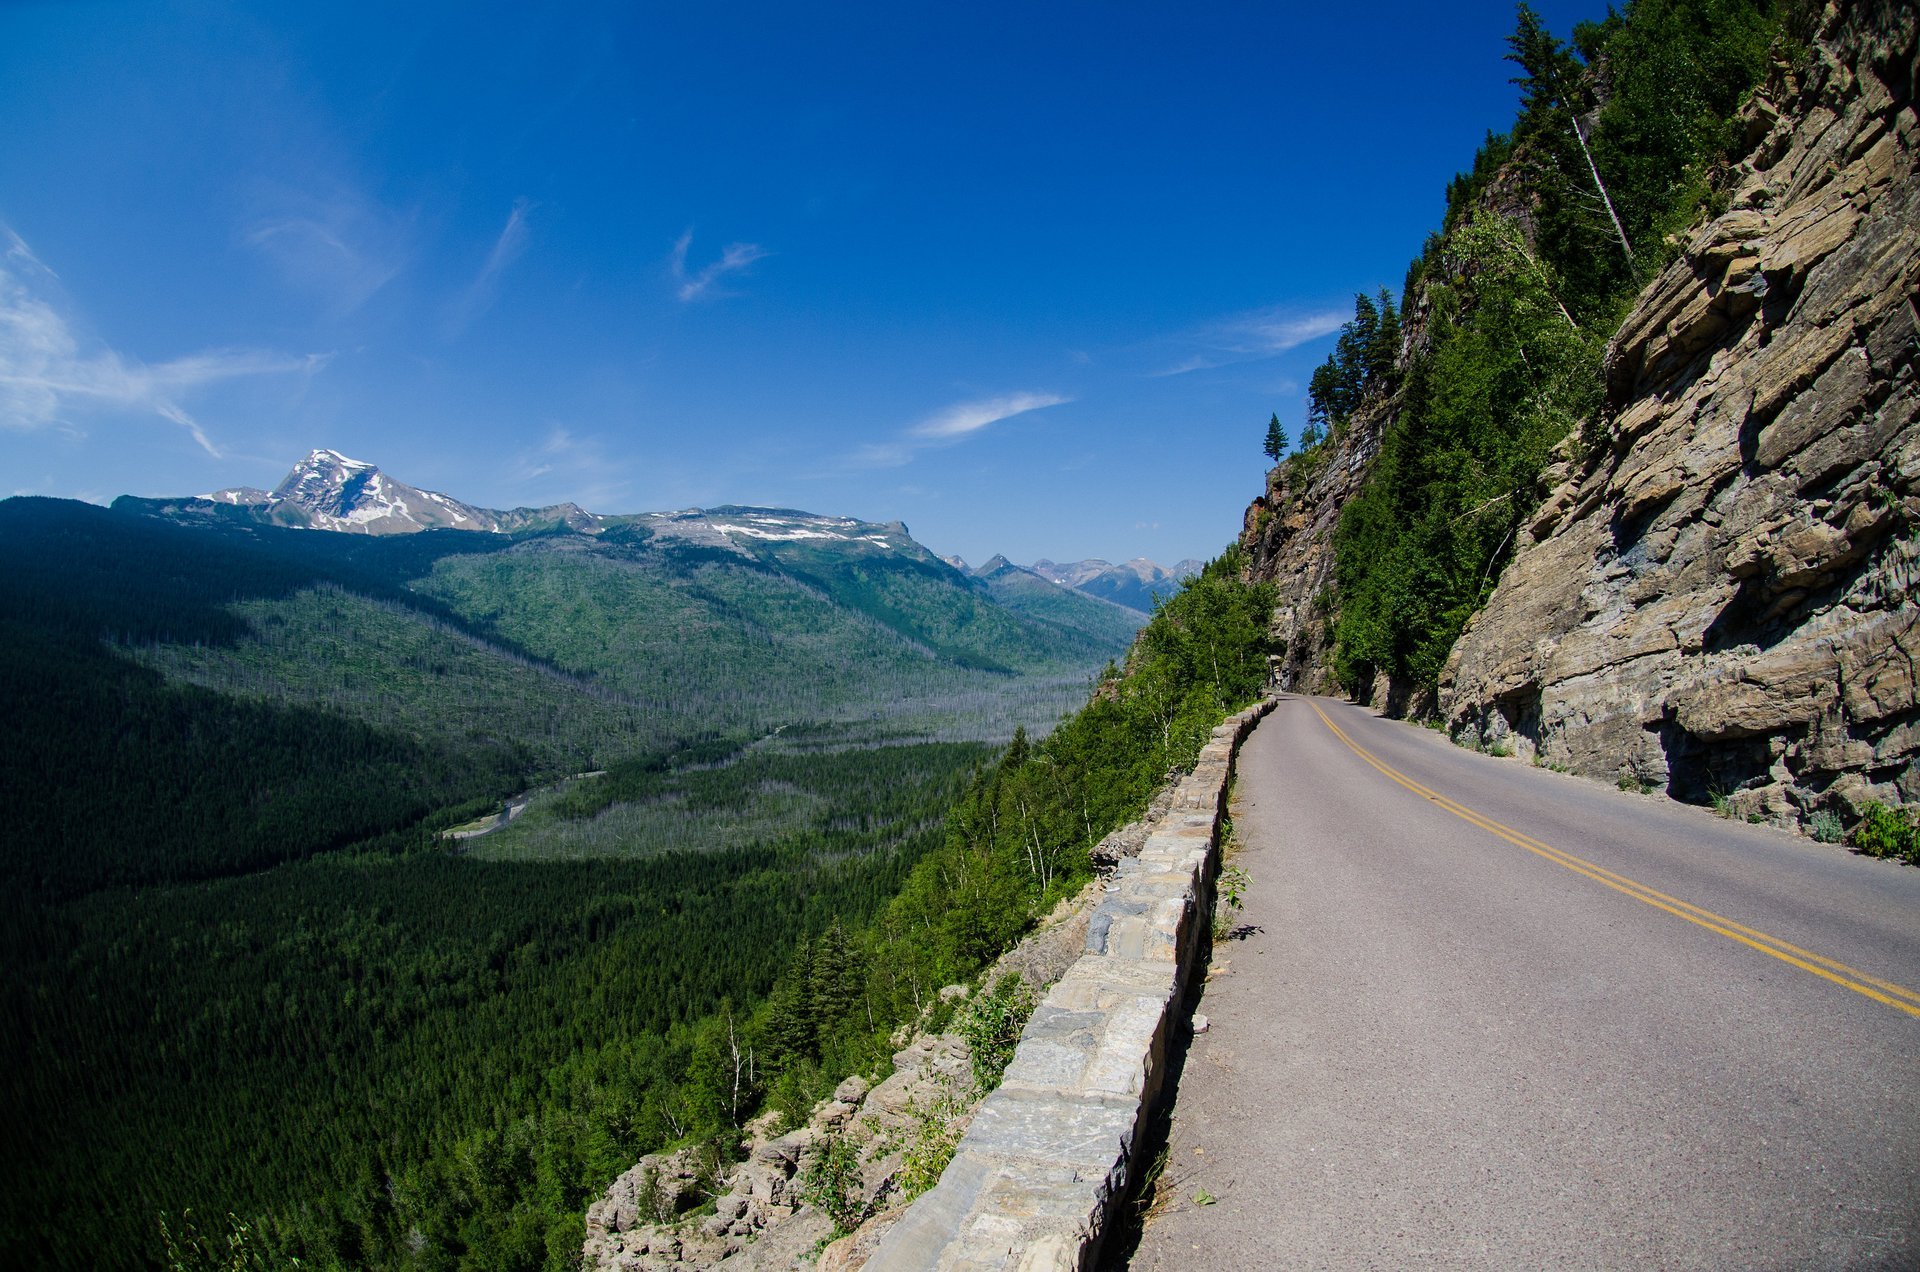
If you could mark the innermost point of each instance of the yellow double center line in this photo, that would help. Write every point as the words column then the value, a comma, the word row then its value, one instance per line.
column 1899, row 997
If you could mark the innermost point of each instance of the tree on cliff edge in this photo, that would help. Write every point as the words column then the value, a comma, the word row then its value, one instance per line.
column 1550, row 104
column 1276, row 439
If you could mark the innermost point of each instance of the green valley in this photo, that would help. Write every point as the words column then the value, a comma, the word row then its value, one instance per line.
column 253, row 974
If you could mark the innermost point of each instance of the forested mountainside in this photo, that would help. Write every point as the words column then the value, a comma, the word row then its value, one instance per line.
column 1022, row 838
column 251, row 974
column 399, row 1051
column 1625, row 479
column 257, row 676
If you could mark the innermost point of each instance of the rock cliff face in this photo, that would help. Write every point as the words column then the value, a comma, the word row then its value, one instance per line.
column 1720, row 600
column 1288, row 538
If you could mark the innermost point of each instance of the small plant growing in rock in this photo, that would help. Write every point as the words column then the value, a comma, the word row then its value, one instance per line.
column 1232, row 889
column 1888, row 832
column 991, row 1023
column 930, row 1145
column 654, row 1202
column 1722, row 805
column 1825, row 826
column 831, row 1183
column 1499, row 749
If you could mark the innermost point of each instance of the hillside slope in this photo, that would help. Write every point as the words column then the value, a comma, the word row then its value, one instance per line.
column 239, row 941
column 1028, row 592
column 245, row 693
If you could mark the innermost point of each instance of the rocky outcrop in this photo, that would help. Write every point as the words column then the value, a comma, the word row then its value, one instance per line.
column 653, row 1219
column 1288, row 537
column 1719, row 600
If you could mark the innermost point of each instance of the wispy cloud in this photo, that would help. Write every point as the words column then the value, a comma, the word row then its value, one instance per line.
column 1251, row 336
column 943, row 428
column 564, row 465
column 478, row 296
column 47, row 370
column 971, row 417
column 337, row 244
column 17, row 250
column 701, row 283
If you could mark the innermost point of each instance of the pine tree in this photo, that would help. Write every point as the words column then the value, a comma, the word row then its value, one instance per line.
column 1383, row 349
column 838, row 973
column 1276, row 439
column 791, row 1028
column 1552, row 74
column 1017, row 751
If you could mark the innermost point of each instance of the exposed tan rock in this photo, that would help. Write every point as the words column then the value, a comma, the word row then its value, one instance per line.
column 1288, row 536
column 1721, row 601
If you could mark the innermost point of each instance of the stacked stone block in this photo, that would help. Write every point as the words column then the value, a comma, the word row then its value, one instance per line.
column 1053, row 1150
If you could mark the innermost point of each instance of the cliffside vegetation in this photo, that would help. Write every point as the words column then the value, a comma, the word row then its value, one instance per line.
column 1019, row 839
column 1508, row 309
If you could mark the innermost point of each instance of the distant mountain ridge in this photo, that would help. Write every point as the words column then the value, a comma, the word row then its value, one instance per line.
column 1133, row 584
column 330, row 491
column 739, row 559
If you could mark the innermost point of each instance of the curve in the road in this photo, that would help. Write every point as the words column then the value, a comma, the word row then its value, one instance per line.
column 1881, row 991
column 1432, row 1051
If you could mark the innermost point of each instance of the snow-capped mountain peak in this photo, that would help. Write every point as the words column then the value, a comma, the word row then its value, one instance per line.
column 331, row 491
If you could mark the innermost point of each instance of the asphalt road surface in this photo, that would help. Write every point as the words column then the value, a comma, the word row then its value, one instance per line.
column 1494, row 1016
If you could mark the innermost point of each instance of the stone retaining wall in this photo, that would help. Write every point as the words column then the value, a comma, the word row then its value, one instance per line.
column 1052, row 1151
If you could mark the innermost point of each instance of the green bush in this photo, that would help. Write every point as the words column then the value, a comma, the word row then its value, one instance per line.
column 831, row 1183
column 1888, row 832
column 991, row 1023
column 930, row 1145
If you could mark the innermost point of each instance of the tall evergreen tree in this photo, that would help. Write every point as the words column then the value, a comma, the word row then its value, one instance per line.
column 1383, row 349
column 1549, row 107
column 1276, row 439
column 838, row 976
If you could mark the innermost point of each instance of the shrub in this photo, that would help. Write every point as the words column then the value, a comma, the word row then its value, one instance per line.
column 831, row 1183
column 991, row 1024
column 1888, row 832
column 1825, row 826
column 930, row 1145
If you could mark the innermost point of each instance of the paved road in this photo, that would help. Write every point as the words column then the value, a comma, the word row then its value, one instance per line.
column 1451, row 1045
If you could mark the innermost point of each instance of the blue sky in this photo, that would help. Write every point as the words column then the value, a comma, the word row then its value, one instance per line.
column 1028, row 277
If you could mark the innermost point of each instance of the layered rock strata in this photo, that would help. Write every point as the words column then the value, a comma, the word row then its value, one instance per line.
column 1720, row 601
